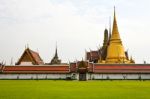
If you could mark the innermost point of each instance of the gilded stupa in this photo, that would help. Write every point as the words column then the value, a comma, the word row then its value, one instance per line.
column 115, row 50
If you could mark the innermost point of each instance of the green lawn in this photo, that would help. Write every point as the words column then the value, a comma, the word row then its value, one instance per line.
column 50, row 89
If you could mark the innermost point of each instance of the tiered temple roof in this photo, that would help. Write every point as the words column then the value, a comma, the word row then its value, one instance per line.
column 30, row 56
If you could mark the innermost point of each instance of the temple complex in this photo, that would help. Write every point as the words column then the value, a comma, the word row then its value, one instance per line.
column 110, row 61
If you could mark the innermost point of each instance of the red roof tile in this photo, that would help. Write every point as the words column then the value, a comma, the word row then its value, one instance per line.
column 92, row 55
column 122, row 69
column 37, row 57
column 36, row 69
column 36, row 72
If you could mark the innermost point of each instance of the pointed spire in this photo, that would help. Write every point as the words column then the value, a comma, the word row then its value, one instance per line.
column 55, row 59
column 131, row 60
column 110, row 25
column 109, row 37
column 115, row 21
column 115, row 32
column 114, row 12
column 56, row 54
column 115, row 51
column 105, row 38
column 127, row 55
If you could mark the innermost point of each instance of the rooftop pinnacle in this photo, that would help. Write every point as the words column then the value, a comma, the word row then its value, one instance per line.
column 115, row 32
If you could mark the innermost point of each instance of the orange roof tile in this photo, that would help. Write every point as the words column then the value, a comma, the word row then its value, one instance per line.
column 37, row 57
column 122, row 69
column 36, row 69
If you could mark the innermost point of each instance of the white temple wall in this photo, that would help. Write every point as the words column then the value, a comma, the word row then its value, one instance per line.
column 120, row 76
column 34, row 76
column 8, row 76
column 89, row 76
column 145, row 76
column 77, row 76
column 133, row 76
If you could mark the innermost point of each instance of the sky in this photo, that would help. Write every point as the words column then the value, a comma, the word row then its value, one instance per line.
column 76, row 26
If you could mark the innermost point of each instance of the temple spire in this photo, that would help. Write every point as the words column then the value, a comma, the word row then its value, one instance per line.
column 115, row 51
column 110, row 25
column 55, row 59
column 105, row 42
column 115, row 32
column 56, row 53
column 109, row 37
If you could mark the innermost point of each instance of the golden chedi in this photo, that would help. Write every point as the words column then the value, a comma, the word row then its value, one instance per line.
column 115, row 50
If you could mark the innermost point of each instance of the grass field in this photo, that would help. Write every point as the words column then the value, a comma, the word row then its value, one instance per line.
column 49, row 89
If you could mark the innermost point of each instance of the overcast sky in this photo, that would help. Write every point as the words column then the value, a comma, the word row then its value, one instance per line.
column 76, row 26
